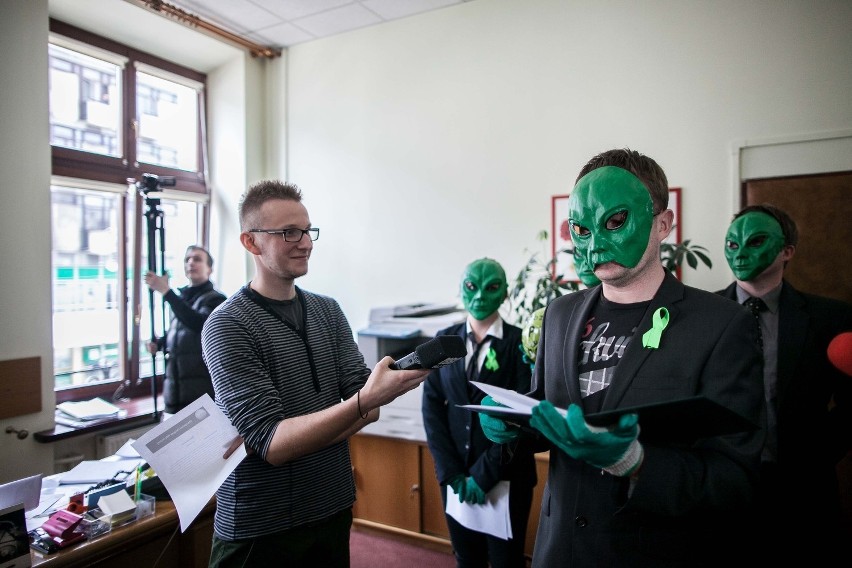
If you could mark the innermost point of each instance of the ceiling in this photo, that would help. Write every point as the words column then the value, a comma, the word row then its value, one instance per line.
column 283, row 23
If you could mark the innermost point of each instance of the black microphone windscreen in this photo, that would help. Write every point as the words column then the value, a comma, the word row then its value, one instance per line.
column 437, row 352
column 441, row 351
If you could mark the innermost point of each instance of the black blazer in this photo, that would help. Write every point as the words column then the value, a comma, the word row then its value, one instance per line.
column 686, row 492
column 811, row 438
column 454, row 435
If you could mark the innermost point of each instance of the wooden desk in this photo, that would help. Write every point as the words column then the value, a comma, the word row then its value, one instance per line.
column 154, row 540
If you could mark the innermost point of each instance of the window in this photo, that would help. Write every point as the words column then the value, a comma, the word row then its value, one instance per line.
column 115, row 115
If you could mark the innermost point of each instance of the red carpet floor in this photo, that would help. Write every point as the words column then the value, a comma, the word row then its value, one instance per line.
column 370, row 550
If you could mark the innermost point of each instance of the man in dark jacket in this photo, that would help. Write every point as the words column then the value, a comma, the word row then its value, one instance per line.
column 187, row 377
column 809, row 401
column 467, row 464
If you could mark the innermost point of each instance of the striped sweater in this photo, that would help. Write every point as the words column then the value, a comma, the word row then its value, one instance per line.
column 264, row 371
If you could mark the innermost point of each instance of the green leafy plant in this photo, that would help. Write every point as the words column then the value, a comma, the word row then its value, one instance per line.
column 538, row 283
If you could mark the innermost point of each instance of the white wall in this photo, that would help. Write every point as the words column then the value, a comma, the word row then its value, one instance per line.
column 424, row 143
column 25, row 306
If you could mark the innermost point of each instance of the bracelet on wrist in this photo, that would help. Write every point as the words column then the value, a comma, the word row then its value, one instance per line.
column 361, row 414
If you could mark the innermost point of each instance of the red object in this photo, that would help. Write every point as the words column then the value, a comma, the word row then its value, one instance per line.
column 840, row 352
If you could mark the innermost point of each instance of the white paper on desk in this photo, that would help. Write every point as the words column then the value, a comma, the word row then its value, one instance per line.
column 492, row 517
column 186, row 453
column 127, row 451
column 95, row 471
column 116, row 503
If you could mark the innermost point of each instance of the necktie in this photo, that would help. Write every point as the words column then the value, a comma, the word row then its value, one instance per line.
column 755, row 306
column 473, row 365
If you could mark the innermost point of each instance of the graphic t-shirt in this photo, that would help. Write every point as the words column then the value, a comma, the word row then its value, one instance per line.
column 607, row 335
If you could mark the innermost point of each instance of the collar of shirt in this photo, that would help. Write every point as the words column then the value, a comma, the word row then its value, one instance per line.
column 772, row 298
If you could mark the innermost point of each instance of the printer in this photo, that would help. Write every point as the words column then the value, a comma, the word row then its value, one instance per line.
column 396, row 331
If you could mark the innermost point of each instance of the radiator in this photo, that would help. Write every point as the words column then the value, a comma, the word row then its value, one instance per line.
column 108, row 445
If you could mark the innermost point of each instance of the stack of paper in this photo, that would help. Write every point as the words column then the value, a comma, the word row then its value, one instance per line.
column 94, row 409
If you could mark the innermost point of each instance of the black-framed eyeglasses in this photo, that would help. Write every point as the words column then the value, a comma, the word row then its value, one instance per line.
column 291, row 235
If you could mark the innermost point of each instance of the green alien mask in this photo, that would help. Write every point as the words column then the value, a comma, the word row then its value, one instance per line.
column 585, row 273
column 611, row 214
column 531, row 333
column 483, row 287
column 752, row 243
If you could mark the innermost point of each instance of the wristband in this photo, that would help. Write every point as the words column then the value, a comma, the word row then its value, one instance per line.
column 361, row 414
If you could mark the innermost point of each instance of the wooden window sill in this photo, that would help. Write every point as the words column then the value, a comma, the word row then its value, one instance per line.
column 140, row 411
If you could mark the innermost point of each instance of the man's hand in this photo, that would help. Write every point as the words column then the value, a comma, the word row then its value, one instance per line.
column 473, row 493
column 615, row 450
column 236, row 443
column 385, row 384
column 457, row 485
column 496, row 429
column 157, row 283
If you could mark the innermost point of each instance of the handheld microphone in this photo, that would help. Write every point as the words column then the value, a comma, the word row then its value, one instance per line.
column 840, row 352
column 435, row 353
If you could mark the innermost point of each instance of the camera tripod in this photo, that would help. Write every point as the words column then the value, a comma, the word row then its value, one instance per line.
column 156, row 241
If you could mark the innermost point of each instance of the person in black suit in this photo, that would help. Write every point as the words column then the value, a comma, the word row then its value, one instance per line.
column 467, row 464
column 809, row 416
column 616, row 496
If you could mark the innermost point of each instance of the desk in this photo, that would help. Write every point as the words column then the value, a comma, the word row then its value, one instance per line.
column 141, row 543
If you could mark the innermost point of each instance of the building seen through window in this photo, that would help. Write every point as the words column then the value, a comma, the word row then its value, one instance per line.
column 115, row 114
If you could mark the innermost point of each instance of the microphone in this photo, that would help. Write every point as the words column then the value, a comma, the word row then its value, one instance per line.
column 840, row 352
column 435, row 353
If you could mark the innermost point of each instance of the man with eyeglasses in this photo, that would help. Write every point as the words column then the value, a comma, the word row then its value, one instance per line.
column 615, row 496
column 288, row 374
column 808, row 400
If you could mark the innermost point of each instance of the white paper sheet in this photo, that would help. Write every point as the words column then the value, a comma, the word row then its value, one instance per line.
column 520, row 403
column 95, row 471
column 186, row 452
column 492, row 517
column 26, row 491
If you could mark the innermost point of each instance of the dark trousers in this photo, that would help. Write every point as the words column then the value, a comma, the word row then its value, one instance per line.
column 474, row 549
column 325, row 544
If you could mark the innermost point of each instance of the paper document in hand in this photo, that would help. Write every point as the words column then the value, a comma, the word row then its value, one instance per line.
column 186, row 453
column 517, row 404
column 492, row 517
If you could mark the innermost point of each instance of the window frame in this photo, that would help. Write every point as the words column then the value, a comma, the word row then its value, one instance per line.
column 72, row 164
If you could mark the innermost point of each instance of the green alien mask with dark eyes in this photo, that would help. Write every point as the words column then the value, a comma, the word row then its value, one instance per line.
column 483, row 287
column 752, row 243
column 611, row 214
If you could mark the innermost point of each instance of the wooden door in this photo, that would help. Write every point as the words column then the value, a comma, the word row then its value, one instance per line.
column 821, row 205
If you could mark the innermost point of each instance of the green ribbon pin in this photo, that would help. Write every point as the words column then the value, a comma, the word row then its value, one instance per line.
column 491, row 360
column 651, row 338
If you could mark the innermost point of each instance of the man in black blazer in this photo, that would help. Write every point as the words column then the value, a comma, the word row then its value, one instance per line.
column 809, row 412
column 467, row 464
column 615, row 496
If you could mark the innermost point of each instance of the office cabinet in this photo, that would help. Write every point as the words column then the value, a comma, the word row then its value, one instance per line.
column 397, row 489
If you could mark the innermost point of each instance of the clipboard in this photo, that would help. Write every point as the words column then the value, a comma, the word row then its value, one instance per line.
column 681, row 420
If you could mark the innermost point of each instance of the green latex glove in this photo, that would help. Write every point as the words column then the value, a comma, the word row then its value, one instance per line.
column 457, row 485
column 496, row 429
column 615, row 450
column 473, row 493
